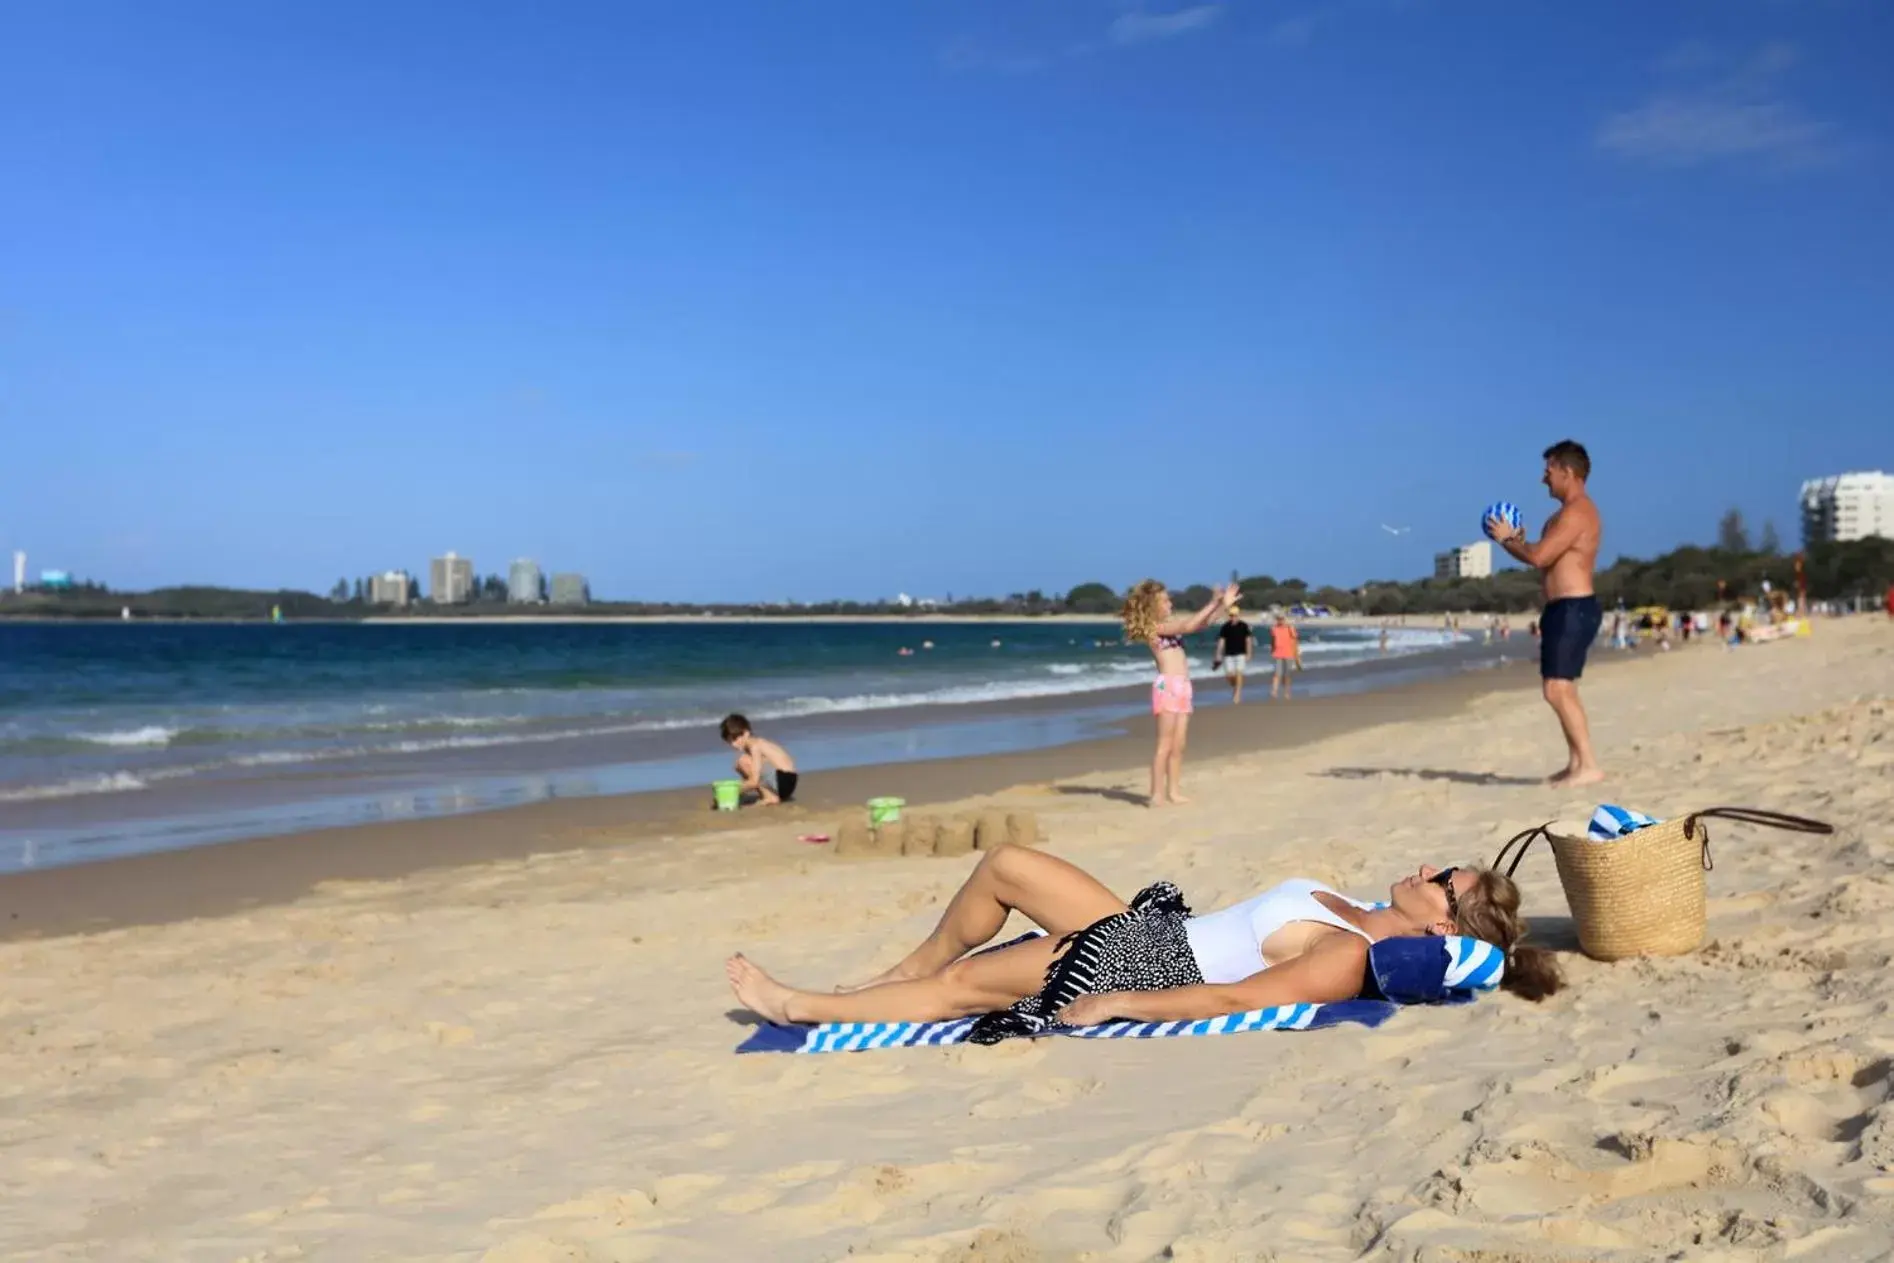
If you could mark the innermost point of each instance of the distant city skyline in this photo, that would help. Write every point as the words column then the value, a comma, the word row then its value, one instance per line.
column 721, row 303
column 1845, row 506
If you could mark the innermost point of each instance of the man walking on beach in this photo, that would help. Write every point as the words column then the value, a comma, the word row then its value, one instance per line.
column 1566, row 553
column 1235, row 644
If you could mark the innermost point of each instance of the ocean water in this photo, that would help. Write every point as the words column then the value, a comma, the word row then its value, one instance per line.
column 126, row 737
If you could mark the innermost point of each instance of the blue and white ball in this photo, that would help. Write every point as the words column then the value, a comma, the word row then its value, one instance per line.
column 1506, row 511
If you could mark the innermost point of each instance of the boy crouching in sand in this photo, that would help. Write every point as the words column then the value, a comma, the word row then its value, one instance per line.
column 768, row 773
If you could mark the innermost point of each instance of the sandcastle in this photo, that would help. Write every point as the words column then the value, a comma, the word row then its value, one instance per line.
column 930, row 836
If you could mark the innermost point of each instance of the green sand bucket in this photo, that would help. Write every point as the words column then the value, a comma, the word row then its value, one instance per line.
column 884, row 811
column 728, row 794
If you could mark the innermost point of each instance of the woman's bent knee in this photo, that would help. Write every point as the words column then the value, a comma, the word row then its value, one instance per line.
column 1007, row 863
column 1004, row 857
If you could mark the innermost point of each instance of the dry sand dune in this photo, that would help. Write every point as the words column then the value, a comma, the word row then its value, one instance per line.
column 531, row 1061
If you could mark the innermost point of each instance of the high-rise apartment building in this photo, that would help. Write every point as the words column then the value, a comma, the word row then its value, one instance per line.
column 522, row 582
column 389, row 588
column 570, row 589
column 1470, row 561
column 1848, row 506
column 450, row 580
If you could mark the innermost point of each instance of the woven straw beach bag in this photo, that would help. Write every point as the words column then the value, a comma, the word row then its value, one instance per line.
column 1642, row 894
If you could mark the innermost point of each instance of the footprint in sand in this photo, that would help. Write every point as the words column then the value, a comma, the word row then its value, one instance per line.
column 1535, row 1180
column 865, row 1194
column 1401, row 1045
column 1623, row 1080
column 1035, row 1096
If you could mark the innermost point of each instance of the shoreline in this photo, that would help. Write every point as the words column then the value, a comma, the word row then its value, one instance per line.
column 215, row 803
column 224, row 877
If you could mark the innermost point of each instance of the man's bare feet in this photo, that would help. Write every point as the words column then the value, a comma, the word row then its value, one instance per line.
column 757, row 991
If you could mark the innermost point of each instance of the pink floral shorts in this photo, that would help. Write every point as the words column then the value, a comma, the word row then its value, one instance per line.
column 1172, row 695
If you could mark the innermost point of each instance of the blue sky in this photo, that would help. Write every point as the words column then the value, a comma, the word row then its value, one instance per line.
column 765, row 300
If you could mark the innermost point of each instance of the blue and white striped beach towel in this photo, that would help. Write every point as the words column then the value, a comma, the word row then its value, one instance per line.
column 1410, row 971
column 1609, row 822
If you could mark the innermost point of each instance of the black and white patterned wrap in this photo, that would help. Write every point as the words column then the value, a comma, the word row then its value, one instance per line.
column 1141, row 949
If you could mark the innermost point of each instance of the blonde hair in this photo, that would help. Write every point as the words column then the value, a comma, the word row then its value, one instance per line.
column 1490, row 912
column 1140, row 612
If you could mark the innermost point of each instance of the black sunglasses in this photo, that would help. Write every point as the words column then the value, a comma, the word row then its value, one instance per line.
column 1444, row 880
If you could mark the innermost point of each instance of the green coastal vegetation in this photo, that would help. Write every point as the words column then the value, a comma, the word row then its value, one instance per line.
column 1690, row 577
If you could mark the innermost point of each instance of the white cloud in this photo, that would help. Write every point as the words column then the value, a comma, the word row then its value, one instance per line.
column 1738, row 113
column 1139, row 27
column 1684, row 131
column 1133, row 26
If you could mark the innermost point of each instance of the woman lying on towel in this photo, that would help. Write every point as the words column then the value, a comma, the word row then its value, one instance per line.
column 1151, row 960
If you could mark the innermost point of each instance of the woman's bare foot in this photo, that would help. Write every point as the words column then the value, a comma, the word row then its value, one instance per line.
column 757, row 991
column 1177, row 800
column 1579, row 776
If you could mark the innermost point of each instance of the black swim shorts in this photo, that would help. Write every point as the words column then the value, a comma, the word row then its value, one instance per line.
column 1565, row 634
column 786, row 786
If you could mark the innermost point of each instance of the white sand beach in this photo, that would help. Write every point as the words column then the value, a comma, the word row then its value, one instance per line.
column 523, row 1062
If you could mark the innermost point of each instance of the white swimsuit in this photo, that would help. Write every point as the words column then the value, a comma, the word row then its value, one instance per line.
column 1228, row 943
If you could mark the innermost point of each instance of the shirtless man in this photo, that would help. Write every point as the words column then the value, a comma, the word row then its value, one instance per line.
column 769, row 775
column 1566, row 553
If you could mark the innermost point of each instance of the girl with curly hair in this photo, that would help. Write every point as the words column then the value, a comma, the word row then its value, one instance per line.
column 1149, row 621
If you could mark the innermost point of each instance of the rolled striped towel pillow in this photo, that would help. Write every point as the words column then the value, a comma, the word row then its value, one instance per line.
column 1422, row 969
column 1609, row 822
column 1506, row 511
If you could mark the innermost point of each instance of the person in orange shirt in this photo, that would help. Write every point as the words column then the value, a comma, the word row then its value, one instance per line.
column 1285, row 650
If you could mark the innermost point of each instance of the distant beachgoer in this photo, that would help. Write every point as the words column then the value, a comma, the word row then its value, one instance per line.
column 767, row 771
column 1235, row 643
column 1285, row 653
column 1566, row 552
column 1384, row 638
column 1149, row 620
column 1890, row 600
